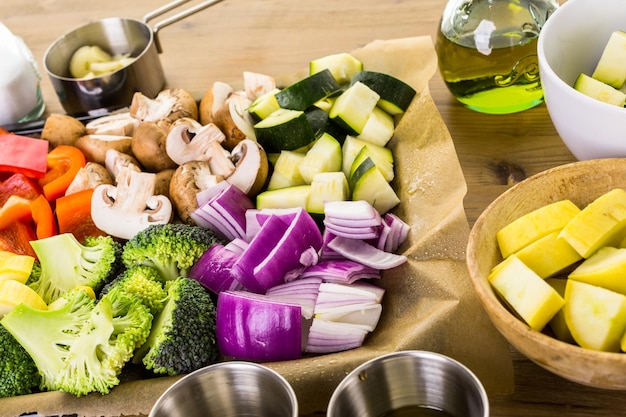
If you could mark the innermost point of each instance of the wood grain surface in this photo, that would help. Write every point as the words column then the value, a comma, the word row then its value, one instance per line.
column 280, row 36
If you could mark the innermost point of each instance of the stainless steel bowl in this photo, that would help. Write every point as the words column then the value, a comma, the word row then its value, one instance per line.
column 409, row 379
column 229, row 389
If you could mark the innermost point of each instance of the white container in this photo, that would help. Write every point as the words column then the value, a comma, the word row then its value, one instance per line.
column 20, row 93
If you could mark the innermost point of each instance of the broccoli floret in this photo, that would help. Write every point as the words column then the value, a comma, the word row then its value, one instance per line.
column 171, row 248
column 82, row 345
column 18, row 372
column 183, row 338
column 144, row 282
column 65, row 263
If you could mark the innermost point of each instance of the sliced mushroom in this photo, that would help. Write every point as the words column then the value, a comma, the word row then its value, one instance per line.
column 168, row 106
column 89, row 176
column 212, row 100
column 121, row 124
column 188, row 180
column 61, row 129
column 233, row 119
column 95, row 146
column 188, row 140
column 256, row 84
column 115, row 161
column 148, row 146
column 251, row 167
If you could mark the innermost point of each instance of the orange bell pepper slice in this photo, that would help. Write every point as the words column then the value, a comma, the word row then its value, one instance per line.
column 23, row 154
column 15, row 209
column 19, row 185
column 63, row 163
column 73, row 214
column 43, row 216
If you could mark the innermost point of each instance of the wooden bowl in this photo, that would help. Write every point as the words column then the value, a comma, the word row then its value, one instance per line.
column 581, row 182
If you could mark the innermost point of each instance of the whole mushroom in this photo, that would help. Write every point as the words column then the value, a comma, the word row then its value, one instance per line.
column 187, row 181
column 168, row 106
column 148, row 146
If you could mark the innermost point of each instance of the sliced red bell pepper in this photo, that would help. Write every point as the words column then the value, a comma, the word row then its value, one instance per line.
column 23, row 154
column 42, row 215
column 15, row 209
column 19, row 185
column 63, row 164
column 16, row 238
column 73, row 214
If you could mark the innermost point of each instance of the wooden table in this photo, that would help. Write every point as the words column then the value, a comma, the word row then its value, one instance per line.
column 280, row 36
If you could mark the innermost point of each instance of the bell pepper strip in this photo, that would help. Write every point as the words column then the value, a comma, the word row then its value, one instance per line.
column 24, row 155
column 63, row 163
column 19, row 185
column 43, row 216
column 73, row 213
column 14, row 210
column 16, row 238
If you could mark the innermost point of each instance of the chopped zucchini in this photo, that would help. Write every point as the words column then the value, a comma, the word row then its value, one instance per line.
column 324, row 156
column 303, row 94
column 381, row 156
column 611, row 68
column 395, row 94
column 287, row 197
column 353, row 107
column 343, row 66
column 318, row 119
column 367, row 183
column 286, row 172
column 264, row 105
column 327, row 186
column 600, row 91
column 379, row 128
column 284, row 129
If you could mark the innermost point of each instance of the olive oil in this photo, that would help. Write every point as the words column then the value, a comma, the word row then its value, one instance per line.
column 417, row 411
column 487, row 51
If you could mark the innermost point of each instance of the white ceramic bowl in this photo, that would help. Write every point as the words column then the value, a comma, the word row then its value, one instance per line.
column 571, row 42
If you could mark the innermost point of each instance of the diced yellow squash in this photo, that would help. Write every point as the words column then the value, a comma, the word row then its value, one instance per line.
column 14, row 266
column 548, row 255
column 13, row 293
column 558, row 325
column 606, row 268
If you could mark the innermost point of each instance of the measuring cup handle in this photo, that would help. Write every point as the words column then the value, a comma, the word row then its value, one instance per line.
column 175, row 18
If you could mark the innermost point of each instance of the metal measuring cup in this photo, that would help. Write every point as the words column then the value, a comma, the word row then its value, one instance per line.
column 115, row 35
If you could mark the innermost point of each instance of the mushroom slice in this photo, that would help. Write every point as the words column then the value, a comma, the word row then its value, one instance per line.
column 234, row 120
column 121, row 124
column 88, row 177
column 115, row 161
column 256, row 84
column 251, row 167
column 125, row 209
column 168, row 106
column 212, row 100
column 188, row 180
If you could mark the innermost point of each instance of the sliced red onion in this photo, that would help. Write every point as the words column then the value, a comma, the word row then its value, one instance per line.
column 207, row 194
column 224, row 211
column 356, row 213
column 366, row 315
column 257, row 328
column 340, row 271
column 300, row 291
column 327, row 253
column 337, row 295
column 327, row 337
column 363, row 252
column 214, row 269
column 237, row 245
column 256, row 217
column 394, row 231
column 353, row 232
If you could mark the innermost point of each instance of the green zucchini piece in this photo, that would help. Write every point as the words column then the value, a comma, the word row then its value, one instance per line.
column 284, row 129
column 350, row 149
column 367, row 183
column 286, row 172
column 318, row 119
column 324, row 156
column 343, row 66
column 264, row 105
column 598, row 90
column 327, row 186
column 379, row 128
column 395, row 94
column 381, row 156
column 353, row 107
column 306, row 92
column 611, row 68
column 287, row 197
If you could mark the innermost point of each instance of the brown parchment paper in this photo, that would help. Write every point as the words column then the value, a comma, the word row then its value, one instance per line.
column 429, row 303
